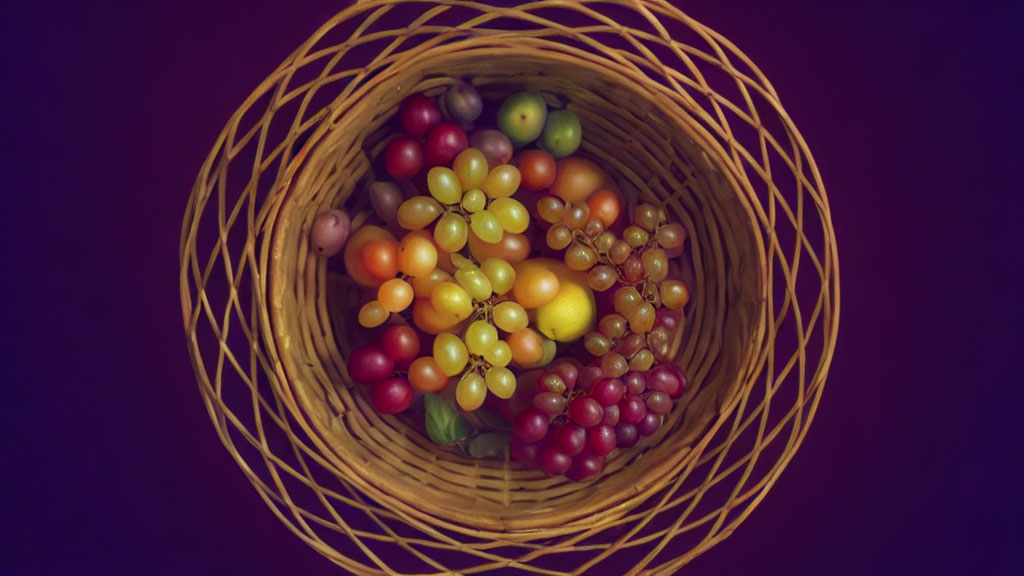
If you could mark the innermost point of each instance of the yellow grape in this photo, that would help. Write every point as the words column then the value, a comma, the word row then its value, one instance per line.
column 486, row 226
column 471, row 392
column 642, row 361
column 372, row 315
column 474, row 282
column 605, row 240
column 670, row 236
column 645, row 216
column 481, row 337
column 451, row 232
column 449, row 299
column 619, row 252
column 501, row 274
column 501, row 382
column 422, row 286
column 461, row 262
column 511, row 213
column 550, row 209
column 474, row 201
column 395, row 295
column 559, row 236
column 444, row 185
column 418, row 211
column 577, row 216
column 635, row 236
column 655, row 264
column 471, row 168
column 417, row 255
column 510, row 316
column 450, row 353
column 674, row 294
column 602, row 277
column 580, row 257
column 499, row 355
column 642, row 319
column 502, row 181
column 626, row 300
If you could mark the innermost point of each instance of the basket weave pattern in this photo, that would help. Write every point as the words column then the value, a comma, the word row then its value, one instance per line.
column 684, row 119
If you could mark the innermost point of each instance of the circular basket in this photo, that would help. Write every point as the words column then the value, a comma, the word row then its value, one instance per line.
column 682, row 118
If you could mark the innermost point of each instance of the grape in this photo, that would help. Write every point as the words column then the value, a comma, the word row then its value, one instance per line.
column 614, row 365
column 553, row 462
column 646, row 217
column 330, row 231
column 549, row 403
column 443, row 144
column 667, row 378
column 403, row 158
column 674, row 294
column 392, row 395
column 471, row 392
column 444, row 185
column 579, row 257
column 499, row 355
column 601, row 439
column 611, row 415
column 480, row 337
column 501, row 382
column 474, row 282
column 627, row 300
column 608, row 391
column 619, row 252
column 642, row 361
column 594, row 229
column 602, row 277
column 511, row 213
column 486, row 226
column 502, row 181
column 501, row 274
column 612, row 326
column 526, row 453
column 450, row 353
column 670, row 236
column 630, row 344
column 577, row 216
column 633, row 269
column 401, row 344
column 426, row 376
column 385, row 197
column 372, row 315
column 635, row 236
column 632, row 410
column 642, row 319
column 531, row 425
column 422, row 286
column 668, row 319
column 451, row 232
column 470, row 167
column 649, row 425
column 605, row 240
column 658, row 341
column 510, row 316
column 585, row 467
column 626, row 435
column 369, row 363
column 494, row 144
column 659, row 403
column 428, row 319
column 570, row 439
column 585, row 411
column 463, row 102
column 596, row 344
column 559, row 236
column 655, row 264
column 417, row 255
column 418, row 114
column 418, row 211
column 589, row 375
column 527, row 347
column 380, row 259
column 461, row 262
column 452, row 300
column 550, row 209
column 568, row 370
column 551, row 382
column 635, row 383
column 474, row 200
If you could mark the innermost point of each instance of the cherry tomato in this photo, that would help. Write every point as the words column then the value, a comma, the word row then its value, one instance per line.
column 577, row 179
column 604, row 206
column 426, row 376
column 537, row 169
column 418, row 115
column 380, row 259
column 444, row 142
column 403, row 158
column 512, row 248
column 354, row 254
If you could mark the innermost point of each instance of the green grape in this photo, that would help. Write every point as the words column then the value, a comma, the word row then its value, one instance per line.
column 502, row 181
column 450, row 353
column 501, row 274
column 471, row 392
column 474, row 201
column 597, row 344
column 451, row 300
column 486, row 226
column 577, row 216
column 559, row 236
column 444, row 185
column 613, row 365
column 655, row 264
column 451, row 233
column 641, row 320
column 550, row 209
column 605, row 240
column 481, row 337
column 580, row 257
column 501, row 382
column 499, row 355
column 594, row 228
column 418, row 211
column 511, row 213
column 674, row 294
column 471, row 168
column 510, row 316
column 635, row 236
column 642, row 360
column 602, row 277
column 613, row 326
column 474, row 282
column 619, row 252
column 627, row 299
column 646, row 217
column 670, row 236
column 461, row 262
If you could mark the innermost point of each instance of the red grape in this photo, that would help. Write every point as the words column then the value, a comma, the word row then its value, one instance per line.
column 626, row 435
column 549, row 403
column 585, row 411
column 608, row 391
column 368, row 364
column 553, row 462
column 601, row 439
column 666, row 378
column 630, row 344
column 571, row 439
column 632, row 410
column 585, row 467
column 635, row 383
column 649, row 425
column 568, row 371
column 551, row 382
column 444, row 142
column 497, row 148
column 588, row 375
column 403, row 158
column 611, row 415
column 526, row 453
column 401, row 344
column 668, row 318
column 531, row 425
column 418, row 115
column 659, row 403
column 392, row 395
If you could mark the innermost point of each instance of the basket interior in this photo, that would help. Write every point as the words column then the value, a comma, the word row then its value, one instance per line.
column 656, row 150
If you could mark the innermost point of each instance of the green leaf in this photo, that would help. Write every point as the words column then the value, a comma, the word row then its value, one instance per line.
column 445, row 425
column 490, row 445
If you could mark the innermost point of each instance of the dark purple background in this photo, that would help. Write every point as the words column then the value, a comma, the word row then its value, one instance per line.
column 110, row 464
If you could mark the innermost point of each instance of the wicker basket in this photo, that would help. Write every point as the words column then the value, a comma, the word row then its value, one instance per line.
column 682, row 117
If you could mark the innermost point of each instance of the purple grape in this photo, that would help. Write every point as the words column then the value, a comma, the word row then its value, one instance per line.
column 601, row 439
column 368, row 364
column 525, row 453
column 571, row 439
column 588, row 375
column 659, row 403
column 531, row 425
column 632, row 410
column 626, row 435
column 568, row 371
column 635, row 383
column 611, row 415
column 608, row 391
column 585, row 466
column 649, row 425
column 553, row 462
column 667, row 318
column 550, row 403
column 585, row 411
column 664, row 378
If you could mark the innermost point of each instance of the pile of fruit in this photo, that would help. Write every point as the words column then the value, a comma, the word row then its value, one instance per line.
column 509, row 285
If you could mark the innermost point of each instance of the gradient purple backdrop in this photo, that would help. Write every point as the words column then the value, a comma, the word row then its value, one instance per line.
column 913, row 111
